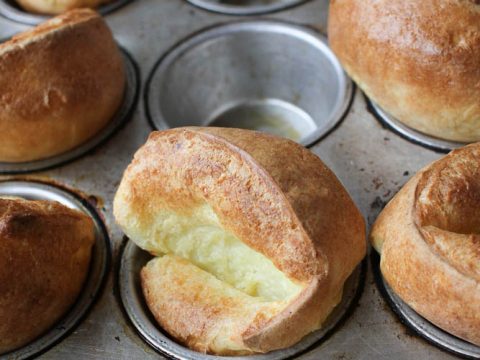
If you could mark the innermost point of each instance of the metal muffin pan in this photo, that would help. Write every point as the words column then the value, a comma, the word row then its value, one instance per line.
column 260, row 74
column 122, row 115
column 99, row 264
column 419, row 324
column 12, row 11
column 413, row 135
column 370, row 160
column 133, row 259
column 245, row 7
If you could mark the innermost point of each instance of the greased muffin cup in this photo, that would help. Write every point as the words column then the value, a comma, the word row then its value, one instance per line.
column 260, row 75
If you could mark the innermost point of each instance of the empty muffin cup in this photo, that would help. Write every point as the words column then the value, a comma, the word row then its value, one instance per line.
column 133, row 259
column 248, row 7
column 262, row 75
column 12, row 11
column 119, row 119
column 410, row 134
column 420, row 325
column 99, row 263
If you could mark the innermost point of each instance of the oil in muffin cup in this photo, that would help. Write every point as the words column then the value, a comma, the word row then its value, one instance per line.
column 262, row 75
column 97, row 273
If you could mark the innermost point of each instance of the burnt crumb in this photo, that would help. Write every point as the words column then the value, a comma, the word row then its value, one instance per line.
column 362, row 169
column 117, row 338
column 406, row 173
column 93, row 200
column 378, row 204
column 407, row 331
column 96, row 201
column 341, row 356
column 377, row 182
column 386, row 138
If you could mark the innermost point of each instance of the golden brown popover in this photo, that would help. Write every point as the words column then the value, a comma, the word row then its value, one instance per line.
column 60, row 84
column 429, row 240
column 254, row 237
column 45, row 250
column 418, row 59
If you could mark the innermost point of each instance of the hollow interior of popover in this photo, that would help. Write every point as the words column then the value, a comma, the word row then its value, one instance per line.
column 200, row 238
column 450, row 199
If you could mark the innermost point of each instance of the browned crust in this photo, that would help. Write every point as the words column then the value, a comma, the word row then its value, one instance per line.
column 46, row 6
column 417, row 59
column 45, row 251
column 60, row 84
column 197, row 309
column 303, row 315
column 429, row 238
column 270, row 192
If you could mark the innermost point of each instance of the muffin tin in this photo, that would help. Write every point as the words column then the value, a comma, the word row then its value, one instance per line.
column 12, row 11
column 99, row 266
column 371, row 160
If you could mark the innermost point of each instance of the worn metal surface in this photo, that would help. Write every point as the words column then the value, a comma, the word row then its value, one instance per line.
column 371, row 161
